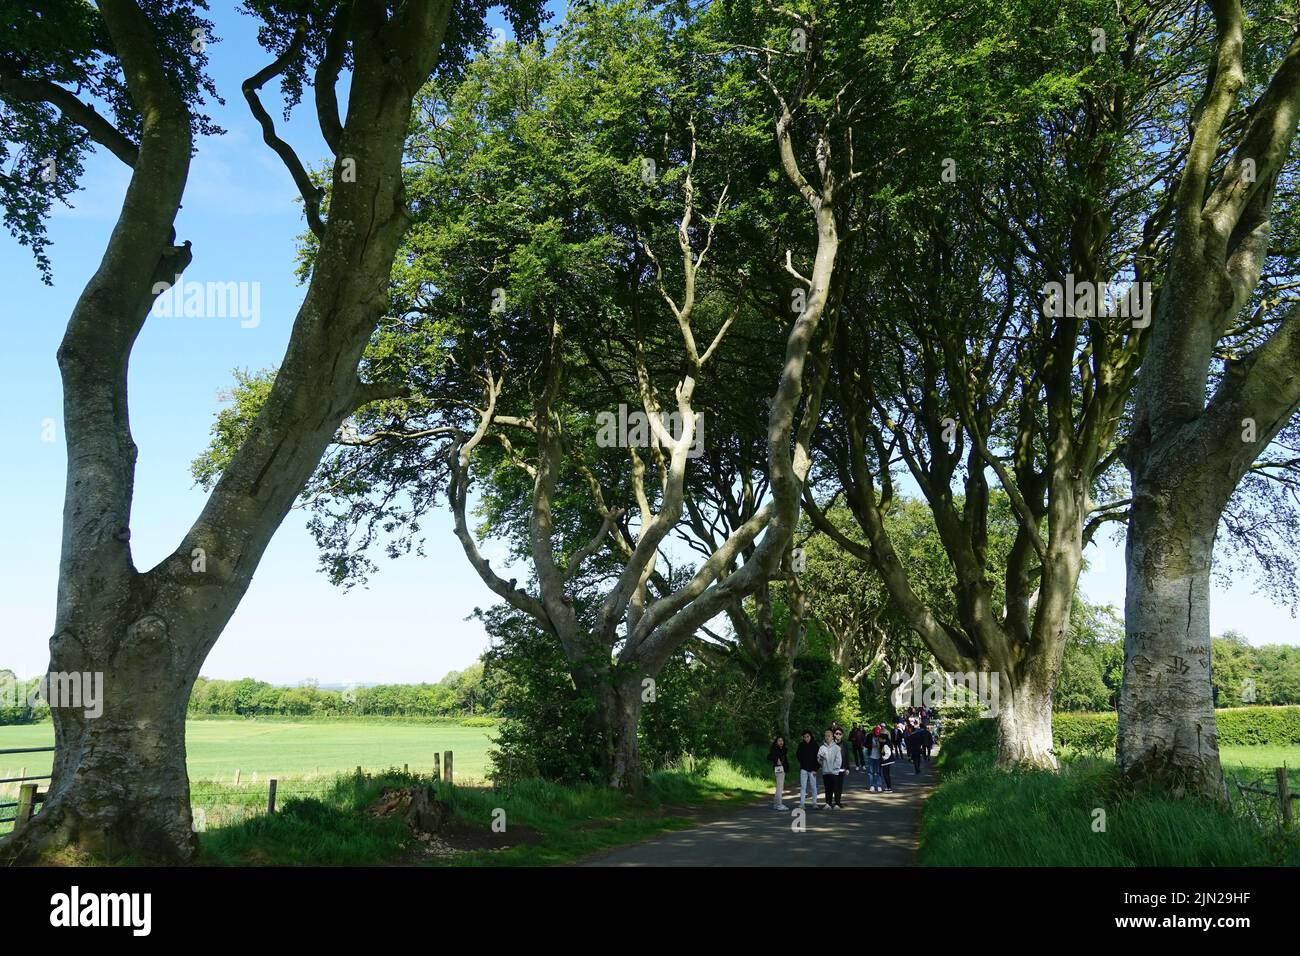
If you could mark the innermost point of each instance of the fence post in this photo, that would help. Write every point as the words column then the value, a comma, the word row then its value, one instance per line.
column 446, row 762
column 237, row 776
column 437, row 766
column 26, row 804
column 270, row 797
column 1284, row 795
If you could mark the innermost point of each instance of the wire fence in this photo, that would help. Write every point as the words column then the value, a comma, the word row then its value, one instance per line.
column 216, row 804
column 233, row 798
column 19, row 793
column 1268, row 807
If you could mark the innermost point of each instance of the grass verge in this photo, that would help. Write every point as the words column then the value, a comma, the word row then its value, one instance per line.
column 983, row 815
column 564, row 822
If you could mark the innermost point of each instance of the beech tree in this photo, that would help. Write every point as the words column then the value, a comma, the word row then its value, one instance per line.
column 975, row 380
column 603, row 272
column 1219, row 382
column 119, row 782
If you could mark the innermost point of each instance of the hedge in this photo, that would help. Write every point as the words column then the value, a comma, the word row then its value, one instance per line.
column 1238, row 727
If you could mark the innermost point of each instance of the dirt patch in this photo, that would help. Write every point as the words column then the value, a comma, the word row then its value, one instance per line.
column 465, row 838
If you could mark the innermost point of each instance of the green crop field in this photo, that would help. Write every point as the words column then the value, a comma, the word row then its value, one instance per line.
column 287, row 748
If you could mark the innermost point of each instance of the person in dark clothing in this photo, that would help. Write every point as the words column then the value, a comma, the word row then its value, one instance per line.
column 914, row 745
column 780, row 762
column 858, row 737
column 806, row 755
column 886, row 759
column 845, row 764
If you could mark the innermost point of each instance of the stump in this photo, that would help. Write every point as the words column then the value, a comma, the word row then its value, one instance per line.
column 417, row 806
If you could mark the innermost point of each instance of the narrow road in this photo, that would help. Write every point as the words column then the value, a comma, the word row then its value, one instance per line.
column 873, row 829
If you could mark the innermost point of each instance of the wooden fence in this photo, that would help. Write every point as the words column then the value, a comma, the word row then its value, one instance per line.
column 1282, row 796
column 29, row 795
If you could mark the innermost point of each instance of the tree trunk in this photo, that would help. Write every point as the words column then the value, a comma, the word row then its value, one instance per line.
column 1024, row 718
column 625, row 714
column 787, row 695
column 119, row 784
column 1167, row 734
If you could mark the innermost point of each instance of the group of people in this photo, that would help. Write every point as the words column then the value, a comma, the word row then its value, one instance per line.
column 873, row 751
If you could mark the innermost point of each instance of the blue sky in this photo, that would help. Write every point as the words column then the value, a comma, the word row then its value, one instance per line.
column 242, row 216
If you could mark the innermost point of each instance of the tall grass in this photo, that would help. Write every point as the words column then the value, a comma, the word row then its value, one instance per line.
column 1083, row 815
column 325, row 830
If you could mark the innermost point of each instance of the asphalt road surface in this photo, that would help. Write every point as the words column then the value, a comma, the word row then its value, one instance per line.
column 873, row 829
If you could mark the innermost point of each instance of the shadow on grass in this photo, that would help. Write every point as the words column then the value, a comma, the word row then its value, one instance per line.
column 563, row 821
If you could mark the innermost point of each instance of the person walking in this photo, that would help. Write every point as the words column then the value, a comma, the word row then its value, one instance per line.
column 858, row 737
column 806, row 755
column 780, row 761
column 874, row 780
column 846, row 762
column 830, row 756
column 887, row 751
column 914, row 744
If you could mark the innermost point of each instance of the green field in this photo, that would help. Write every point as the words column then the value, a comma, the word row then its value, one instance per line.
column 287, row 749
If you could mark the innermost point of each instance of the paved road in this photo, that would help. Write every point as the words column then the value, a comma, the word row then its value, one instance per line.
column 873, row 829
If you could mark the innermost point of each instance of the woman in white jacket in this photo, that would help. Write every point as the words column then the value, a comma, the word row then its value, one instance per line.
column 830, row 757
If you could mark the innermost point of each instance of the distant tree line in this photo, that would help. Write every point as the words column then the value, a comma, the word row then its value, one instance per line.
column 1092, row 669
column 459, row 694
column 1243, row 675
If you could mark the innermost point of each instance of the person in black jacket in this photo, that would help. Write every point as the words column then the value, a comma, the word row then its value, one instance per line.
column 846, row 749
column 918, row 744
column 780, row 762
column 806, row 754
column 887, row 752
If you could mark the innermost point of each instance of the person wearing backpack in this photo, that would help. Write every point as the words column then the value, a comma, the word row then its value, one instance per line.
column 886, row 758
column 806, row 755
column 780, row 761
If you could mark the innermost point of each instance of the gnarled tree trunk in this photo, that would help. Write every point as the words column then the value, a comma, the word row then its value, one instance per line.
column 627, row 700
column 1024, row 718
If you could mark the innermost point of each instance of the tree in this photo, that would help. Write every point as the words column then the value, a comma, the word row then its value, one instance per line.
column 982, row 378
column 850, row 601
column 119, row 782
column 593, row 323
column 1218, row 383
column 1095, row 651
